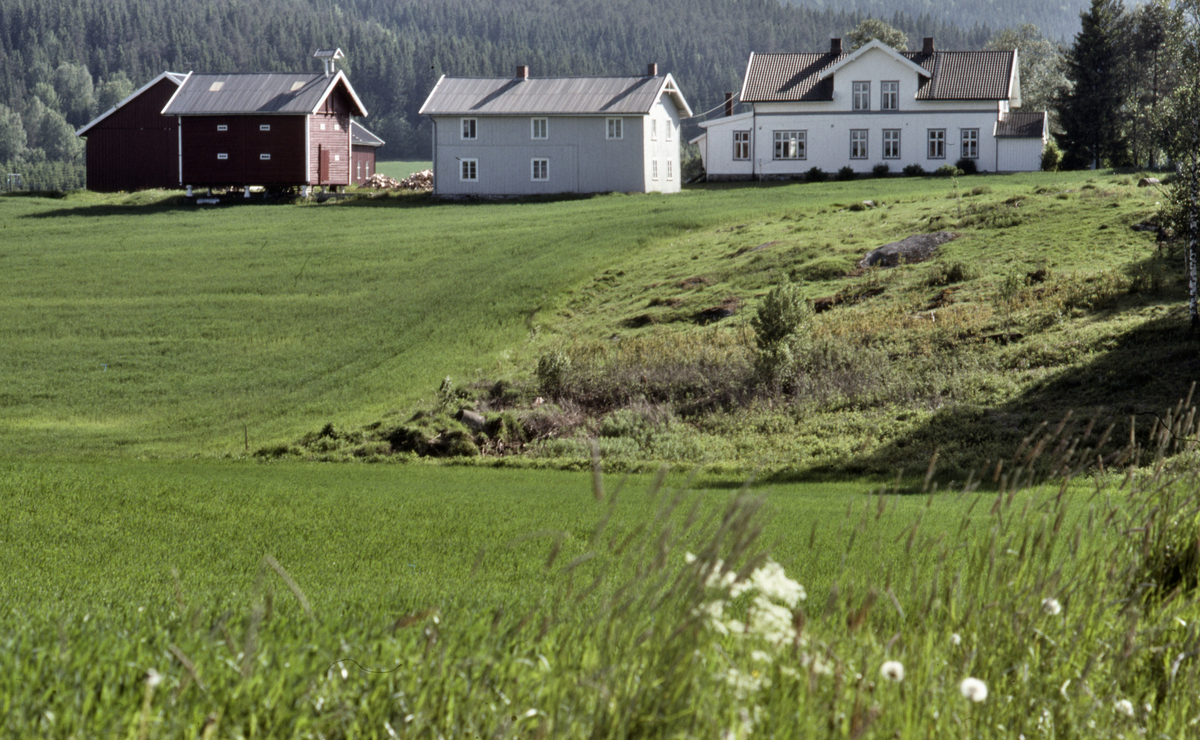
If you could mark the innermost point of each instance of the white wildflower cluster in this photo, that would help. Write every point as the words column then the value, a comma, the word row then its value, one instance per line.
column 1051, row 606
column 770, row 615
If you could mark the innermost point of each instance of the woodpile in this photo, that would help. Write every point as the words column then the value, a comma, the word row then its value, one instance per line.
column 422, row 180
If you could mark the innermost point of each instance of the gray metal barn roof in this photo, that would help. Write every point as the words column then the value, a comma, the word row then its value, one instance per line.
column 256, row 93
column 549, row 95
column 360, row 136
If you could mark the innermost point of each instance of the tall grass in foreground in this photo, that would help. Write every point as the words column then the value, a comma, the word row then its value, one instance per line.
column 1050, row 624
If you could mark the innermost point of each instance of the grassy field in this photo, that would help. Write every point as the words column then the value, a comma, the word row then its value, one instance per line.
column 400, row 169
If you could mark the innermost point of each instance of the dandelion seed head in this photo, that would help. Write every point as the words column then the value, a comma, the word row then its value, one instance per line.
column 956, row 639
column 345, row 673
column 1125, row 707
column 1051, row 606
column 973, row 689
column 892, row 670
column 153, row 678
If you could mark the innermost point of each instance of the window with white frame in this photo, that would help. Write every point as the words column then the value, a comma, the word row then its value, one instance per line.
column 539, row 128
column 264, row 127
column 653, row 129
column 614, row 128
column 222, row 127
column 541, row 170
column 469, row 171
column 889, row 95
column 937, row 143
column 468, row 128
column 670, row 170
column 790, row 145
column 654, row 169
column 862, row 95
column 858, row 143
column 891, row 143
column 264, row 157
column 670, row 129
column 223, row 156
column 970, row 143
column 741, row 145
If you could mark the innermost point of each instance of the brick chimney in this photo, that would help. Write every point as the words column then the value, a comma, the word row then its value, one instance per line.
column 728, row 104
column 928, row 47
column 652, row 69
column 835, row 47
column 522, row 72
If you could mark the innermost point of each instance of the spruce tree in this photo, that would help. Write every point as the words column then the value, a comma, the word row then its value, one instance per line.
column 1089, row 107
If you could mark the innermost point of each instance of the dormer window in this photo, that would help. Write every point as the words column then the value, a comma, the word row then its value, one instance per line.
column 862, row 95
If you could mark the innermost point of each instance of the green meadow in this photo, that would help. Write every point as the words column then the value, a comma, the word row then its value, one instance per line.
column 163, row 580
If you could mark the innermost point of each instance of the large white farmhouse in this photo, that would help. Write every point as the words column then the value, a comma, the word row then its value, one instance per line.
column 874, row 105
column 526, row 136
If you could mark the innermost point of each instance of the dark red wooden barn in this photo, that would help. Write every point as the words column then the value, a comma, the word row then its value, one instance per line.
column 363, row 147
column 271, row 130
column 132, row 146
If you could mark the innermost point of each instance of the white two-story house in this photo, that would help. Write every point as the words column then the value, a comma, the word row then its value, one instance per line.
column 528, row 136
column 875, row 105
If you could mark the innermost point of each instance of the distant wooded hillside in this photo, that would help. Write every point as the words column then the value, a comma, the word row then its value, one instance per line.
column 64, row 61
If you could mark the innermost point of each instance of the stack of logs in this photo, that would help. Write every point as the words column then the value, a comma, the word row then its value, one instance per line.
column 422, row 180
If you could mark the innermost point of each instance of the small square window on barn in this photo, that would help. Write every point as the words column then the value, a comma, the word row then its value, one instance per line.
column 222, row 127
column 337, row 127
column 264, row 127
column 337, row 158
column 469, row 171
column 614, row 129
column 264, row 157
column 222, row 156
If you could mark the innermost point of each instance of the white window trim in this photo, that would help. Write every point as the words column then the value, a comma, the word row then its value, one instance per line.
column 654, row 170
column 670, row 129
column 533, row 169
column 264, row 157
column 264, row 127
column 533, row 129
column 801, row 140
column 462, row 170
column 222, row 155
column 854, row 95
column 462, row 129
column 887, row 131
column 865, row 138
column 222, row 127
column 745, row 143
column 614, row 123
column 883, row 95
column 974, row 144
column 670, row 170
column 929, row 140
column 653, row 129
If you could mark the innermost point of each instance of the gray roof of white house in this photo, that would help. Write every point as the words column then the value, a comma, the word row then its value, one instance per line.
column 256, row 93
column 360, row 136
column 550, row 96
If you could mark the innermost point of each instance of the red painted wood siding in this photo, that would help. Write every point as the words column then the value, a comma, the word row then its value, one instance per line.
column 329, row 131
column 244, row 142
column 363, row 160
column 136, row 147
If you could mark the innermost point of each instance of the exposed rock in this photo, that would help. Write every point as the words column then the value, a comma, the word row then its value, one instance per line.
column 908, row 251
column 1146, row 182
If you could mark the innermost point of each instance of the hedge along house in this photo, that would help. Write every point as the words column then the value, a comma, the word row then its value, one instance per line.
column 874, row 106
column 271, row 130
column 531, row 135
column 362, row 152
column 132, row 146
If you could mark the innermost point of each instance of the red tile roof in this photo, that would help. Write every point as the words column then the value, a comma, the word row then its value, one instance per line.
column 954, row 75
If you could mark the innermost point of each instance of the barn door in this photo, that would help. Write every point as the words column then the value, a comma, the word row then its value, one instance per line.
column 323, row 166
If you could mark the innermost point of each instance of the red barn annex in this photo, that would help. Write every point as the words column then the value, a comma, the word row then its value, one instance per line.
column 274, row 130
column 132, row 146
column 364, row 144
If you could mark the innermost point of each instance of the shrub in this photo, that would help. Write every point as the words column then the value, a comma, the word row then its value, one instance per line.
column 947, row 170
column 943, row 273
column 913, row 170
column 967, row 166
column 778, row 326
column 552, row 369
column 846, row 173
column 816, row 174
column 881, row 170
column 1051, row 157
column 980, row 190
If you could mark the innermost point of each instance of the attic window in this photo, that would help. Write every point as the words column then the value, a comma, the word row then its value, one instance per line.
column 264, row 127
column 297, row 85
column 216, row 86
column 222, row 127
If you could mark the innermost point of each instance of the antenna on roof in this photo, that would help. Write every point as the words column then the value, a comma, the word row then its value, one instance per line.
column 328, row 57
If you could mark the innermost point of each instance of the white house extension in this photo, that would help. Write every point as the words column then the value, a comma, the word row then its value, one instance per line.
column 875, row 105
column 532, row 135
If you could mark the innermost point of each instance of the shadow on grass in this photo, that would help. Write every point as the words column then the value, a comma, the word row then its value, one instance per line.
column 1147, row 371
